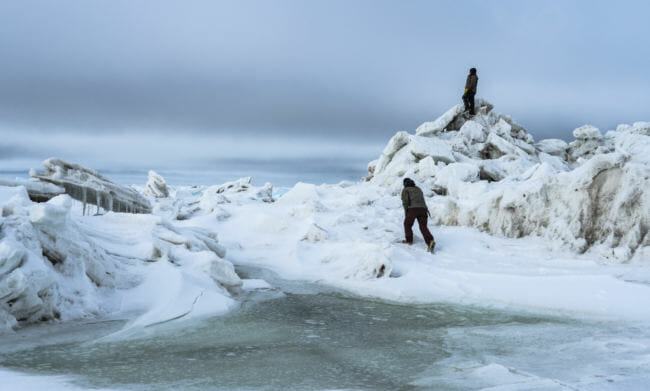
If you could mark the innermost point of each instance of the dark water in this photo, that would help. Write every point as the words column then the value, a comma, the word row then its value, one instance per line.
column 305, row 337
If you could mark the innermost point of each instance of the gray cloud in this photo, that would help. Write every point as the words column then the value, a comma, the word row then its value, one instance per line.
column 362, row 69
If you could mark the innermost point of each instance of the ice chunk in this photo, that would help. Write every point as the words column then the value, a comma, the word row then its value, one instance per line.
column 496, row 146
column 452, row 119
column 265, row 193
column 399, row 140
column 156, row 186
column 38, row 191
column 234, row 190
column 52, row 213
column 223, row 272
column 502, row 128
column 433, row 128
column 394, row 163
column 421, row 147
column 553, row 146
column 463, row 172
column 473, row 131
column 427, row 168
column 587, row 143
column 587, row 132
column 642, row 128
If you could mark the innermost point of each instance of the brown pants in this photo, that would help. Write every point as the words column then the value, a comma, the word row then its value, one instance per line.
column 421, row 215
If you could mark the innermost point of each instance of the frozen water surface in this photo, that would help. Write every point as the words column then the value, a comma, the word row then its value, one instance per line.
column 298, row 336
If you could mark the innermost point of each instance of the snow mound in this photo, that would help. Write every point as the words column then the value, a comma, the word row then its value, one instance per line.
column 58, row 265
column 303, row 237
column 485, row 171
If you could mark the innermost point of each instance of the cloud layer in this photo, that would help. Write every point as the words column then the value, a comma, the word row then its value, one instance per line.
column 324, row 70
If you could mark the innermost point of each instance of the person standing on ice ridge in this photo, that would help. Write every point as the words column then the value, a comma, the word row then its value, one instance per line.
column 470, row 90
column 415, row 208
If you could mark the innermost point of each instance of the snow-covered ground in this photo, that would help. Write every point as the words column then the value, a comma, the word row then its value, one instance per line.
column 549, row 227
column 346, row 235
column 577, row 215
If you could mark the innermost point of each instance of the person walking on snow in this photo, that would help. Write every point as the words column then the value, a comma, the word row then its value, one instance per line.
column 470, row 90
column 415, row 208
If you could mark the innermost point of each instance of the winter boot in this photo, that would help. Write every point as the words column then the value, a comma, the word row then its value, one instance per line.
column 432, row 245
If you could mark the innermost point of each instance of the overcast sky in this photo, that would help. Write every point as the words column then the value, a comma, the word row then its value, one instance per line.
column 355, row 69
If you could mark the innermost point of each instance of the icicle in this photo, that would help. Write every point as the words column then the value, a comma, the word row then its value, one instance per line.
column 83, row 199
column 78, row 181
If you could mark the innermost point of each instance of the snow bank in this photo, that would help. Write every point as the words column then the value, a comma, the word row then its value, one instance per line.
column 486, row 172
column 58, row 265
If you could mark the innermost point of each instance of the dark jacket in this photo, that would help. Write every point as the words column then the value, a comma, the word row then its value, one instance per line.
column 412, row 197
column 471, row 83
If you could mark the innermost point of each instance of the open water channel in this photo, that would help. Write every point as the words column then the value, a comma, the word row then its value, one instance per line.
column 300, row 336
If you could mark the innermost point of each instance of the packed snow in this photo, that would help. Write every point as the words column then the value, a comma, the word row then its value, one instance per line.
column 551, row 226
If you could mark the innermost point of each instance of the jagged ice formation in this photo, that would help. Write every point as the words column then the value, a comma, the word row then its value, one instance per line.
column 55, row 264
column 487, row 172
column 156, row 186
column 90, row 187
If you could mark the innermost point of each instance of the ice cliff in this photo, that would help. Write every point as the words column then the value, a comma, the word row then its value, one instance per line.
column 486, row 171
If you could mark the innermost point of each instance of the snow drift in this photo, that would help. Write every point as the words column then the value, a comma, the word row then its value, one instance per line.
column 55, row 264
column 486, row 172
